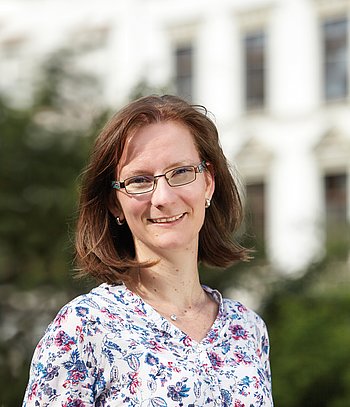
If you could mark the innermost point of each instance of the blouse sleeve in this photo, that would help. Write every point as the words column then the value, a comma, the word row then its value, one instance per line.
column 64, row 371
column 265, row 352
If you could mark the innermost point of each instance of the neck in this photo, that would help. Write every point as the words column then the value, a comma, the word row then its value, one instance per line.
column 167, row 285
column 173, row 280
column 173, row 289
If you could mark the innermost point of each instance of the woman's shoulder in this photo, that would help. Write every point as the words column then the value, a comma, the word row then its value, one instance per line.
column 96, row 307
column 236, row 312
column 243, row 319
column 104, row 295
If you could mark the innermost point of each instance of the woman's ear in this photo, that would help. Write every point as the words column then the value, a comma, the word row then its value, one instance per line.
column 114, row 206
column 210, row 181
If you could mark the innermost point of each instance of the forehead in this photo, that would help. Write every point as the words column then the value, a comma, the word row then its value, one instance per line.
column 158, row 146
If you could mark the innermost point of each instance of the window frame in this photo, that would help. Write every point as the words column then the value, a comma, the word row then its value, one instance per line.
column 255, row 100
column 328, row 61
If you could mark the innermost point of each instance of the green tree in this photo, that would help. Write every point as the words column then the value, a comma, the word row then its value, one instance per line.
column 309, row 326
column 43, row 149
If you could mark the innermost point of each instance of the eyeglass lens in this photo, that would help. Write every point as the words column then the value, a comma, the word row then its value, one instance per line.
column 175, row 177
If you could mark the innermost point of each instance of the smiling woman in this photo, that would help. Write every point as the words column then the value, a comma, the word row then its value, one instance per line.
column 157, row 198
column 168, row 215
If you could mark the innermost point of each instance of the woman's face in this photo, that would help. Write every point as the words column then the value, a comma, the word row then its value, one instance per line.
column 167, row 218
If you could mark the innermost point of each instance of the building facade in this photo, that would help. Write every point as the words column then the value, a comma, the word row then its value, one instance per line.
column 274, row 73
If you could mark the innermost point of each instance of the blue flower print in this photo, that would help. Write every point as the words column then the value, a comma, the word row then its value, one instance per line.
column 77, row 371
column 246, row 380
column 215, row 360
column 50, row 372
column 151, row 359
column 81, row 311
column 226, row 398
column 178, row 391
column 74, row 403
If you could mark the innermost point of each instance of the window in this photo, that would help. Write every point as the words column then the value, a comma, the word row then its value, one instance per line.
column 335, row 42
column 255, row 213
column 254, row 48
column 337, row 228
column 336, row 205
column 184, row 74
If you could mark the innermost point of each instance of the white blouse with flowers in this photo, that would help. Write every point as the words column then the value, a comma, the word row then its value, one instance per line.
column 109, row 348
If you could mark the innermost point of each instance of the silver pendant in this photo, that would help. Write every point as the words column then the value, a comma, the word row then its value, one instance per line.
column 173, row 317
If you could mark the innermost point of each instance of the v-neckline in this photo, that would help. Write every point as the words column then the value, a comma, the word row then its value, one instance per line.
column 164, row 324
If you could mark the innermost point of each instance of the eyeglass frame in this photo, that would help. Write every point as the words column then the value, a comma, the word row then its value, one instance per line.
column 200, row 168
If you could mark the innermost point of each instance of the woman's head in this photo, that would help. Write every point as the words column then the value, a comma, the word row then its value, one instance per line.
column 107, row 250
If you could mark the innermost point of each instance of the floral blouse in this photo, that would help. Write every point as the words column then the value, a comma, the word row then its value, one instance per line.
column 109, row 348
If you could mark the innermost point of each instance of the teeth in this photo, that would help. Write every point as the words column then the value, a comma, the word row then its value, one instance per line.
column 167, row 220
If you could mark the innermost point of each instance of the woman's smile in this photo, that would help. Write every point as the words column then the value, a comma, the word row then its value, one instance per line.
column 167, row 220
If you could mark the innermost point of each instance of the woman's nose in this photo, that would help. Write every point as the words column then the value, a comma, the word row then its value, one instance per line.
column 163, row 193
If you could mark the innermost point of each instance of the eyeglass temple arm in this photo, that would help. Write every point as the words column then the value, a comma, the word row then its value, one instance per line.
column 118, row 185
column 202, row 166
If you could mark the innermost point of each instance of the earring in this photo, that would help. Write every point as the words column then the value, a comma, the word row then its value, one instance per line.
column 119, row 222
column 207, row 202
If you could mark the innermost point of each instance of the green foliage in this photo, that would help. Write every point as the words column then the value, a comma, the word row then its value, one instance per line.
column 309, row 327
column 41, row 155
column 43, row 149
column 37, row 197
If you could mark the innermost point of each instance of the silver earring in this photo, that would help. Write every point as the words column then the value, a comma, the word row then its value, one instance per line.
column 207, row 202
column 119, row 222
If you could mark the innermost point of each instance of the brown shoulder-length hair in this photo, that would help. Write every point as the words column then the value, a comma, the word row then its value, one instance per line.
column 104, row 249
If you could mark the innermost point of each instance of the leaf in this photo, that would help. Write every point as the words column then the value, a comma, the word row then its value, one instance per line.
column 158, row 402
column 197, row 389
column 114, row 374
column 133, row 362
column 152, row 385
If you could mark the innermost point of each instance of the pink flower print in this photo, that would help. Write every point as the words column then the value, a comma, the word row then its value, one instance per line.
column 173, row 368
column 215, row 360
column 108, row 313
column 73, row 403
column 187, row 341
column 242, row 357
column 239, row 404
column 238, row 332
column 155, row 346
column 242, row 308
column 213, row 335
column 79, row 332
column 61, row 317
column 139, row 311
column 134, row 382
column 64, row 341
column 76, row 376
column 256, row 382
column 33, row 391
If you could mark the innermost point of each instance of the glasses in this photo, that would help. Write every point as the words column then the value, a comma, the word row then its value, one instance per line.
column 141, row 184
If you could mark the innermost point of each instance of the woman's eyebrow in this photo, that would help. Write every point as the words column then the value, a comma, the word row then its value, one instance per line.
column 143, row 171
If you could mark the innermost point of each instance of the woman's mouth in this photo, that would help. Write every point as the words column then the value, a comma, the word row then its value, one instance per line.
column 167, row 220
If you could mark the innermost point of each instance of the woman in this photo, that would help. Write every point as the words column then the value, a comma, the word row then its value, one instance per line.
column 157, row 198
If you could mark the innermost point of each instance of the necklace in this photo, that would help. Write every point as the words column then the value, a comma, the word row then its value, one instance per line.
column 174, row 316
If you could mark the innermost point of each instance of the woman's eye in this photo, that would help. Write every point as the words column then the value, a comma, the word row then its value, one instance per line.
column 182, row 170
column 139, row 180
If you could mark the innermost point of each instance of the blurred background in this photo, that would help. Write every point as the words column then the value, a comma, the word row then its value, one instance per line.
column 275, row 76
